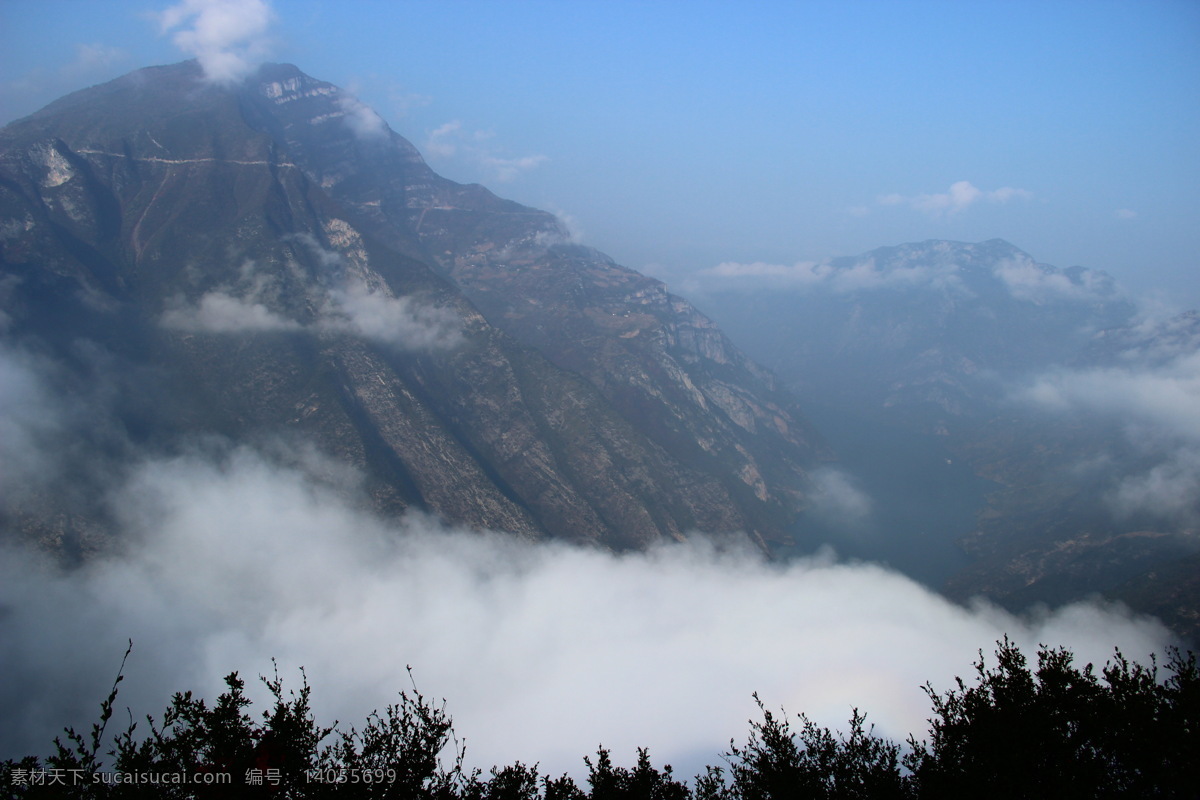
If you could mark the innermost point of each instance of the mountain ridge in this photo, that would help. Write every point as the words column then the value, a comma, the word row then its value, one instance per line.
column 267, row 251
column 1042, row 397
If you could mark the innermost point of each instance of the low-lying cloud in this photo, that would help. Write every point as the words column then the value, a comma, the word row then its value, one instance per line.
column 1154, row 394
column 837, row 498
column 58, row 433
column 400, row 322
column 404, row 323
column 230, row 557
column 1169, row 489
column 1162, row 397
column 221, row 312
column 361, row 118
column 1020, row 277
column 863, row 275
column 1027, row 280
column 32, row 423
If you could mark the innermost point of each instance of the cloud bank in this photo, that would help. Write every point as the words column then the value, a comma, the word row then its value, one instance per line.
column 232, row 556
column 228, row 37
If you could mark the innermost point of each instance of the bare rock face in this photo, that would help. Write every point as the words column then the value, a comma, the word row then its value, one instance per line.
column 272, row 260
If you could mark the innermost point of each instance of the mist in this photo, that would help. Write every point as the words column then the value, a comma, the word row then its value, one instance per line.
column 230, row 556
column 220, row 556
column 1153, row 396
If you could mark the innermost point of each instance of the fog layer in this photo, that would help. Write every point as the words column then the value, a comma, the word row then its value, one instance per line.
column 233, row 556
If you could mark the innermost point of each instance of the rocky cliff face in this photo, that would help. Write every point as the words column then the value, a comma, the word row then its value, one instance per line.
column 273, row 260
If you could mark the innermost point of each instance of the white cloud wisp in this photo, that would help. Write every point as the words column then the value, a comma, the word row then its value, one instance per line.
column 865, row 275
column 1157, row 402
column 228, row 37
column 451, row 140
column 958, row 198
column 221, row 312
column 400, row 322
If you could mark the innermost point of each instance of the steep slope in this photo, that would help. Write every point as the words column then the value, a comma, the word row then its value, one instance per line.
column 258, row 259
column 663, row 365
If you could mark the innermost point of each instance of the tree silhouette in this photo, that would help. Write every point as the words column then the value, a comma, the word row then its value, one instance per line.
column 1014, row 732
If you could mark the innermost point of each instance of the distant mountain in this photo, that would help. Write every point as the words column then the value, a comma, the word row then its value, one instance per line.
column 1044, row 381
column 929, row 329
column 271, row 260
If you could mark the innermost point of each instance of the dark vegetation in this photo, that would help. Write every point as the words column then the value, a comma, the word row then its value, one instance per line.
column 1015, row 731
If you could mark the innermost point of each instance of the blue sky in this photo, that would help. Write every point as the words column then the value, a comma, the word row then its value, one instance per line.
column 675, row 136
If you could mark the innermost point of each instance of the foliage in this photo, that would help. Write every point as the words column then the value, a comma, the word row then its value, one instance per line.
column 1058, row 731
column 773, row 764
column 1053, row 731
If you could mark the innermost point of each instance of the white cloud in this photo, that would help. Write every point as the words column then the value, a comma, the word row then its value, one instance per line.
column 1164, row 398
column 802, row 272
column 401, row 322
column 234, row 558
column 507, row 169
column 862, row 275
column 452, row 140
column 406, row 323
column 31, row 424
column 838, row 500
column 1170, row 489
column 570, row 226
column 442, row 141
column 361, row 118
column 221, row 312
column 1027, row 280
column 228, row 37
column 1125, row 213
column 959, row 197
column 1158, row 404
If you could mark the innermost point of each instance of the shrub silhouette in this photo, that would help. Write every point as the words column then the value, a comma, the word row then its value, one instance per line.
column 1052, row 731
column 1059, row 731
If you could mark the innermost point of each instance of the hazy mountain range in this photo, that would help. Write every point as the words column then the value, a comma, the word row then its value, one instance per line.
column 272, row 263
column 1073, row 409
column 267, row 381
column 273, row 259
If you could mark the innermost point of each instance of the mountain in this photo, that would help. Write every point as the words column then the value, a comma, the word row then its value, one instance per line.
column 270, row 262
column 1024, row 417
column 931, row 328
